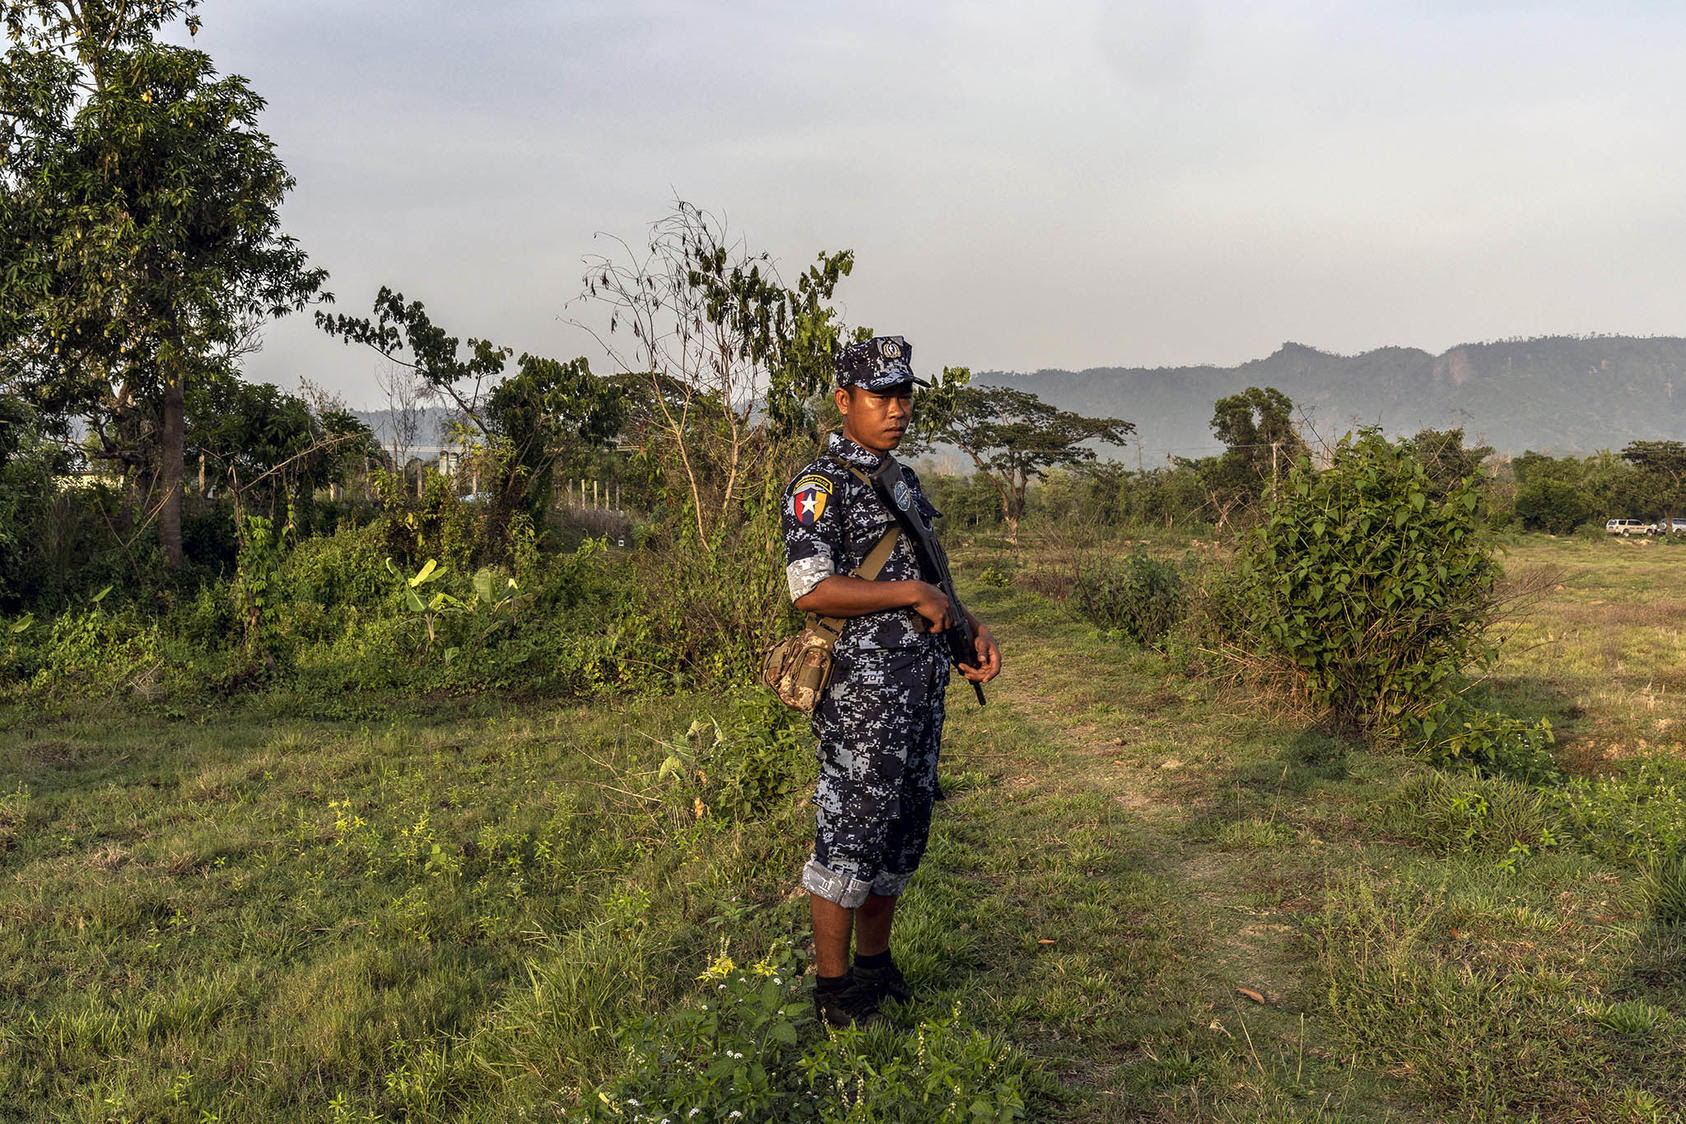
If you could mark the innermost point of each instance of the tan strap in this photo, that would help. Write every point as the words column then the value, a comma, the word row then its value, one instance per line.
column 871, row 566
column 851, row 469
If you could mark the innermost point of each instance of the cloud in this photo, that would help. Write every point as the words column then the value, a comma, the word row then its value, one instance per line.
column 1025, row 186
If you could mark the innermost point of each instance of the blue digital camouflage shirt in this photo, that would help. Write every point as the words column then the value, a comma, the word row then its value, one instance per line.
column 831, row 523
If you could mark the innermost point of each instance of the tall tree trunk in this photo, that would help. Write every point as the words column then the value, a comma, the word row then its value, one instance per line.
column 171, row 468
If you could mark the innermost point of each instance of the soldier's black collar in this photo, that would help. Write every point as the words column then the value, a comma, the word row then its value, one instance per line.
column 862, row 458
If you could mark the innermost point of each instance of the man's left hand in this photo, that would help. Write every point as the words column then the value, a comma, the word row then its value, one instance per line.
column 988, row 664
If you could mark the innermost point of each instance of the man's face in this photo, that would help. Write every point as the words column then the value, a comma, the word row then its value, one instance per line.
column 876, row 419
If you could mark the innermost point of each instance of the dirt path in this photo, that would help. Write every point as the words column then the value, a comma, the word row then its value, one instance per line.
column 1246, row 946
column 1081, row 722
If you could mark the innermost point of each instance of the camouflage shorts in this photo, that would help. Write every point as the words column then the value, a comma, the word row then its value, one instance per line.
column 879, row 727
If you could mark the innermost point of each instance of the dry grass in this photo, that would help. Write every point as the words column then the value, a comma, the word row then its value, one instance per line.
column 1602, row 652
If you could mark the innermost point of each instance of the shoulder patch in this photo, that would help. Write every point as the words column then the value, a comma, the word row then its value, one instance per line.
column 808, row 499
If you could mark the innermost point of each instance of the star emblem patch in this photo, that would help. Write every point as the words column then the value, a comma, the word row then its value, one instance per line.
column 809, row 499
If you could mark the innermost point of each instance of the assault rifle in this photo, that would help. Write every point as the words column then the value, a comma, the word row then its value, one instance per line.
column 892, row 488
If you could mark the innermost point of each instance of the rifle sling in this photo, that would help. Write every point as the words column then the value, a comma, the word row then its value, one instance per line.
column 930, row 552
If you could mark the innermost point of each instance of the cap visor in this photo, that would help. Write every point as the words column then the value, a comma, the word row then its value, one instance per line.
column 891, row 376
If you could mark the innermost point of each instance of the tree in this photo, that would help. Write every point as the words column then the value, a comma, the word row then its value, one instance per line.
column 733, row 360
column 1530, row 467
column 1664, row 465
column 140, row 227
column 406, row 394
column 1012, row 436
column 1445, row 457
column 447, row 366
column 966, row 501
column 1550, row 505
column 268, row 448
column 1257, row 428
column 29, row 460
column 729, row 365
column 549, row 414
column 522, row 423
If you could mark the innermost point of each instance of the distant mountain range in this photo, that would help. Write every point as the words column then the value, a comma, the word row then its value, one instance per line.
column 1555, row 394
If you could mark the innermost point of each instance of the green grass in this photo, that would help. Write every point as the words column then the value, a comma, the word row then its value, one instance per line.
column 1174, row 900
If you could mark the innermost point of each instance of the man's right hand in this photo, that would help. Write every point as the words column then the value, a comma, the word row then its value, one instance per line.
column 931, row 604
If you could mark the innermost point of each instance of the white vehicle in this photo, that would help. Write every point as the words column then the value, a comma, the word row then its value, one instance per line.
column 1626, row 527
column 1669, row 525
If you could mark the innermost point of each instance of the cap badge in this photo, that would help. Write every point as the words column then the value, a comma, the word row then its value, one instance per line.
column 891, row 349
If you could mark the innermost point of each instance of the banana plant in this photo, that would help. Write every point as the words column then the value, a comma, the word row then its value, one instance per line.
column 490, row 597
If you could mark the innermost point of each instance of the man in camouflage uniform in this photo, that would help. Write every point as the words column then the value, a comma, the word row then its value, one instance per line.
column 880, row 722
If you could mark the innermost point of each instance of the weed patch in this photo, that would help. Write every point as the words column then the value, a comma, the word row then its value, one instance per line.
column 1464, row 814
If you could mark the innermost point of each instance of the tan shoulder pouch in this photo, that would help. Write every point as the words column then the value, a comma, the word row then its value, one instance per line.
column 798, row 668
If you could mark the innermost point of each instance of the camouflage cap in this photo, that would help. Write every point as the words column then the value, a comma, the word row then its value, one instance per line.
column 877, row 364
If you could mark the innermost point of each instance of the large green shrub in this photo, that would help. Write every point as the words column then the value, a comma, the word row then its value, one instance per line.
column 1374, row 592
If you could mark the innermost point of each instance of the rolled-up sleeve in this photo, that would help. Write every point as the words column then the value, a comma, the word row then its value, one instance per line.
column 804, row 574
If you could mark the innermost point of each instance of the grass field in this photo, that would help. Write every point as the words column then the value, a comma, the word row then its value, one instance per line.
column 1160, row 896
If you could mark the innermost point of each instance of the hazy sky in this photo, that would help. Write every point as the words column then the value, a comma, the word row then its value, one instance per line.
column 1025, row 186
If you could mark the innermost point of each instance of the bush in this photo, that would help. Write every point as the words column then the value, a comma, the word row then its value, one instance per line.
column 745, row 768
column 1375, row 593
column 326, row 616
column 997, row 575
column 437, row 524
column 712, row 607
column 1459, row 737
column 1551, row 506
column 97, row 648
column 1138, row 596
